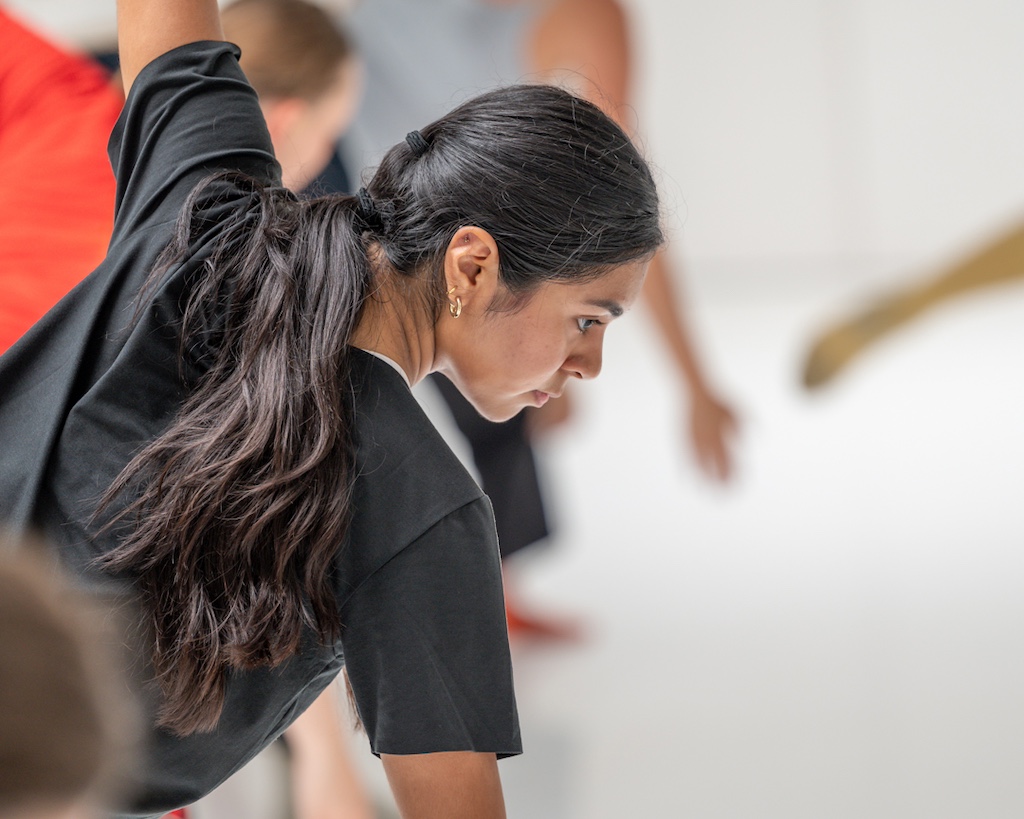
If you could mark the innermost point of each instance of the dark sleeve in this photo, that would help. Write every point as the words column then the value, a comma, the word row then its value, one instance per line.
column 426, row 645
column 189, row 114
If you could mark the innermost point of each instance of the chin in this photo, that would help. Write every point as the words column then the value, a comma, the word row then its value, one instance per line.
column 495, row 408
column 497, row 416
column 500, row 412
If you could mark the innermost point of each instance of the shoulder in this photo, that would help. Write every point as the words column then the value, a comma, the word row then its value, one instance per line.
column 190, row 114
column 408, row 478
column 395, row 437
column 191, row 69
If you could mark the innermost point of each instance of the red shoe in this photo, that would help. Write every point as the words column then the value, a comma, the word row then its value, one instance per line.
column 521, row 624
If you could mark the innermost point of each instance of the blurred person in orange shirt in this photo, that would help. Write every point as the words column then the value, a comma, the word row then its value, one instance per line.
column 57, row 109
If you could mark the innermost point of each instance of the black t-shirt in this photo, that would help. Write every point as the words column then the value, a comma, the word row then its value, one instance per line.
column 418, row 579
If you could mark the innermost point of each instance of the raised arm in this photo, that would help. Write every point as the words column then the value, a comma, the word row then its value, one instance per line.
column 148, row 28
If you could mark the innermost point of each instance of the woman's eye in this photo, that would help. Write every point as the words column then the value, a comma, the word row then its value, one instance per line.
column 585, row 324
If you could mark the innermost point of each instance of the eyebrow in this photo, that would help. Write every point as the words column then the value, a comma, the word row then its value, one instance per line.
column 612, row 307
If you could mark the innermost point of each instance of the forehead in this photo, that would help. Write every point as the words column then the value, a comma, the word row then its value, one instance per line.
column 613, row 292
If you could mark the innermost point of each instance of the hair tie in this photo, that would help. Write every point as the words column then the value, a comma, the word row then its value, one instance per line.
column 365, row 207
column 418, row 144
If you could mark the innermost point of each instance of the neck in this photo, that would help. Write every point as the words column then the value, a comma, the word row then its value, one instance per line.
column 394, row 324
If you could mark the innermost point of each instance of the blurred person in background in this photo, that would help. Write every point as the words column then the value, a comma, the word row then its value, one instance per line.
column 57, row 109
column 303, row 65
column 421, row 56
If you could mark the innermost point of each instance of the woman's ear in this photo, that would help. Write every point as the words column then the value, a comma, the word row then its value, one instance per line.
column 471, row 264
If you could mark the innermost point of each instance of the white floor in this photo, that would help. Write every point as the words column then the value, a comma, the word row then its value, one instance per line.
column 840, row 634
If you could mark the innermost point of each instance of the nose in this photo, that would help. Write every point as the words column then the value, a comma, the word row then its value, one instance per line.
column 587, row 357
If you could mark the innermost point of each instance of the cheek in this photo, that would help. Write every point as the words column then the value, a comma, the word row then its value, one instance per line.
column 499, row 357
column 532, row 354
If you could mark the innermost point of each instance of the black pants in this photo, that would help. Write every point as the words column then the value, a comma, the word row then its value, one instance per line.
column 508, row 471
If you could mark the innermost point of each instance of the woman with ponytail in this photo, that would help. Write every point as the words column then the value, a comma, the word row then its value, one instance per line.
column 217, row 422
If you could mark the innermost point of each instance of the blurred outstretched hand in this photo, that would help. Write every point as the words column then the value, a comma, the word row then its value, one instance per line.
column 713, row 430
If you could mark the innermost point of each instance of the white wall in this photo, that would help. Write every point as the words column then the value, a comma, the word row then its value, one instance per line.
column 84, row 23
column 797, row 129
column 809, row 134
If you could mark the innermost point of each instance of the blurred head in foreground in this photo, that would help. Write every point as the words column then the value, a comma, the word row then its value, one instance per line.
column 65, row 728
column 302, row 65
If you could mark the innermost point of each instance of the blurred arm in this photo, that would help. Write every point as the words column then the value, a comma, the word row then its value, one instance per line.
column 1000, row 260
column 712, row 422
column 586, row 44
column 325, row 784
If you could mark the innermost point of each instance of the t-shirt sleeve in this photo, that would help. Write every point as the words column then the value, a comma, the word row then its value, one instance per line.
column 190, row 113
column 426, row 645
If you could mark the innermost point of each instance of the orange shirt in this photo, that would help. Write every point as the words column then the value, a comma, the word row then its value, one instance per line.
column 56, row 185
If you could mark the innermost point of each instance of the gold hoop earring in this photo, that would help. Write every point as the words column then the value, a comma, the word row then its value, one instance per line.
column 456, row 308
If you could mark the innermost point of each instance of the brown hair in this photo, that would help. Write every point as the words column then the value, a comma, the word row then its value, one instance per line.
column 290, row 48
column 64, row 726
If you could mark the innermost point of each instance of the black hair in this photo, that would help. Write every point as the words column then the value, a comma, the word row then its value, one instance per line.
column 559, row 186
column 241, row 505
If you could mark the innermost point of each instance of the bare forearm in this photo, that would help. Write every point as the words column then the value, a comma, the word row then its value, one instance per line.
column 661, row 297
column 459, row 785
column 325, row 782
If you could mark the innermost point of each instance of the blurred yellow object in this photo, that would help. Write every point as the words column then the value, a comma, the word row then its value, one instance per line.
column 1000, row 261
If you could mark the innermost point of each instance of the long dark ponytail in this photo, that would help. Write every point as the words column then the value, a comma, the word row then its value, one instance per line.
column 243, row 501
column 234, row 514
